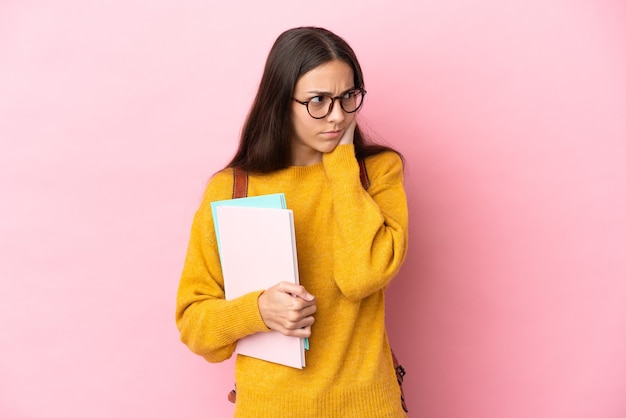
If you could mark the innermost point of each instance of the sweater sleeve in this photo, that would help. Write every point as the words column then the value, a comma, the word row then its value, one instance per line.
column 209, row 324
column 371, row 227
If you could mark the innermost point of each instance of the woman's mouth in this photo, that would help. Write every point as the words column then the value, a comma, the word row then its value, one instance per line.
column 332, row 134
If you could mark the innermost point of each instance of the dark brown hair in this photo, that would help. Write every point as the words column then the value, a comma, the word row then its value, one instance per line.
column 265, row 143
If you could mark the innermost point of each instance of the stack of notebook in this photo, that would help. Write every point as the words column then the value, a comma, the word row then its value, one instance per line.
column 257, row 246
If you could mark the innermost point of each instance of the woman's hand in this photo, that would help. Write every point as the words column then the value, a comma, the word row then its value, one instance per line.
column 288, row 308
column 348, row 135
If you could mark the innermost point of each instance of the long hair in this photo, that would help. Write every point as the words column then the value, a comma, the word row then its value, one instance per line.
column 265, row 143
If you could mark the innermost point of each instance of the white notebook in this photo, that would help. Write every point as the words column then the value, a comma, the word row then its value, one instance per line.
column 258, row 250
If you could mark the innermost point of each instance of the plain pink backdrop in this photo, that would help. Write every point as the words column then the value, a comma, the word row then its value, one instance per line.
column 113, row 115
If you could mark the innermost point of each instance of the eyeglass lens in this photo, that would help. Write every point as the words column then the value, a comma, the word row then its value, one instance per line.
column 321, row 106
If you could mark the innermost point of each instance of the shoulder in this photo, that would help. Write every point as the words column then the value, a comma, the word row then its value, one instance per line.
column 385, row 166
column 220, row 186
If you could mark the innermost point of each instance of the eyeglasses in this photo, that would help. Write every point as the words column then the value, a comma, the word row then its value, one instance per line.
column 320, row 106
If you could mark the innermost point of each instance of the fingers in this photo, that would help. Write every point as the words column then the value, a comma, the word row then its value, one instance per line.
column 300, row 332
column 296, row 290
column 348, row 135
column 299, row 328
column 299, row 319
column 288, row 308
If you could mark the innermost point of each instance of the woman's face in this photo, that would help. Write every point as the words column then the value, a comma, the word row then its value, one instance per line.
column 313, row 137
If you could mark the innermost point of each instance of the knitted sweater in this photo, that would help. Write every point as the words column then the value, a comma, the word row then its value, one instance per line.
column 351, row 243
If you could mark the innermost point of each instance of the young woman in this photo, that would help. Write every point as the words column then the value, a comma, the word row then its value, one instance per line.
column 301, row 138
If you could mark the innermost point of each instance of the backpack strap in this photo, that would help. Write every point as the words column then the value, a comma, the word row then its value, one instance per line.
column 240, row 183
column 400, row 372
column 240, row 180
column 365, row 180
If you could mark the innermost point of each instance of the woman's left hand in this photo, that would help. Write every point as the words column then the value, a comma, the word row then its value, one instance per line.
column 348, row 135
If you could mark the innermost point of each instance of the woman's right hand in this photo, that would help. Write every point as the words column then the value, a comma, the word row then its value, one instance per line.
column 288, row 308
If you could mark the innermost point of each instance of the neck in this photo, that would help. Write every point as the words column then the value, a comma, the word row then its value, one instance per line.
column 306, row 158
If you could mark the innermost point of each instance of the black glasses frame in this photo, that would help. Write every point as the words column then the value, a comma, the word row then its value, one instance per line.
column 332, row 103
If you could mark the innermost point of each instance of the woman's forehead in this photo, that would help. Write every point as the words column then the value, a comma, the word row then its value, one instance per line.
column 331, row 77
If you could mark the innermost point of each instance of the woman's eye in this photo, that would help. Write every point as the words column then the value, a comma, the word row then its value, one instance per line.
column 317, row 99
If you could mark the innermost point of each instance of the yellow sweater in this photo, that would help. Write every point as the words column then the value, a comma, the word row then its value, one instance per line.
column 351, row 243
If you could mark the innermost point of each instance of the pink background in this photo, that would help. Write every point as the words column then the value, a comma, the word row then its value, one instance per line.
column 113, row 115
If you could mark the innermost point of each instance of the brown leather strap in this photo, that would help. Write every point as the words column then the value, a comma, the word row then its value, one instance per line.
column 240, row 183
column 365, row 180
column 232, row 396
column 400, row 372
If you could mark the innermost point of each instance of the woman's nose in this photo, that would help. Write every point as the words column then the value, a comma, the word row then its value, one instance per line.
column 336, row 114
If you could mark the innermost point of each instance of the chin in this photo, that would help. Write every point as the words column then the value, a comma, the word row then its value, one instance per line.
column 329, row 146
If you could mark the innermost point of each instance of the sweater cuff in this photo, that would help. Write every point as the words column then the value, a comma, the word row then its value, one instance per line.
column 249, row 320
